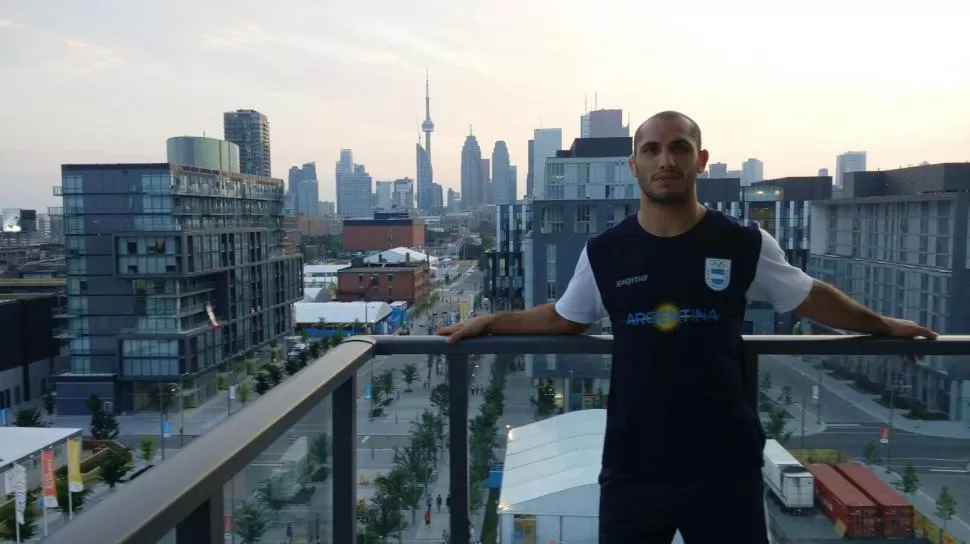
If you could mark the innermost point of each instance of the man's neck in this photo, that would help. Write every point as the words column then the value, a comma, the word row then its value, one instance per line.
column 668, row 220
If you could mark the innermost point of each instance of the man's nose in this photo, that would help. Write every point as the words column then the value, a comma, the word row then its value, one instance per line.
column 666, row 159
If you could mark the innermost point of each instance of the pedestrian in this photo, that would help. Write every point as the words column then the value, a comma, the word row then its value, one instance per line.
column 438, row 501
column 428, row 501
column 674, row 279
column 427, row 517
column 448, row 502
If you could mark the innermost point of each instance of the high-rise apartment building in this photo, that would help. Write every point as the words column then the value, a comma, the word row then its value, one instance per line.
column 383, row 195
column 530, row 169
column 471, row 174
column 305, row 189
column 354, row 193
column 345, row 165
column 173, row 271
column 752, row 171
column 717, row 170
column 402, row 196
column 897, row 242
column 249, row 130
column 546, row 142
column 850, row 161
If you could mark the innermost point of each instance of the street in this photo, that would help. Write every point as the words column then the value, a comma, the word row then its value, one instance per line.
column 849, row 429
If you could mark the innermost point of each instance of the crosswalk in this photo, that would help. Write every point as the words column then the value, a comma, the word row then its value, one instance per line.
column 852, row 425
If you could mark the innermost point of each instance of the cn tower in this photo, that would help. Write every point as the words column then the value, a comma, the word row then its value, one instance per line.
column 428, row 125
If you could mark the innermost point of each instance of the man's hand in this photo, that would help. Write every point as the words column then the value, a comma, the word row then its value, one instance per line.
column 903, row 328
column 477, row 326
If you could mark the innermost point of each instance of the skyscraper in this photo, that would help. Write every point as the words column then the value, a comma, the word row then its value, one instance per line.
column 425, row 173
column 471, row 168
column 850, row 161
column 547, row 141
column 249, row 129
column 530, row 170
column 485, row 179
column 752, row 171
column 354, row 192
column 304, row 189
column 503, row 188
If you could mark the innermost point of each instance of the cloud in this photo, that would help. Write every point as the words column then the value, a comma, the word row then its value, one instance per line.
column 68, row 54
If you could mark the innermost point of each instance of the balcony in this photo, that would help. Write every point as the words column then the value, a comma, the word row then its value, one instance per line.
column 196, row 495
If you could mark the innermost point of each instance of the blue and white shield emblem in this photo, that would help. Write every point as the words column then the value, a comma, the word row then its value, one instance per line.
column 717, row 273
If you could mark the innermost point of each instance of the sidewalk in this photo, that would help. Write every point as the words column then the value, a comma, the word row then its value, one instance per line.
column 926, row 505
column 868, row 404
column 794, row 425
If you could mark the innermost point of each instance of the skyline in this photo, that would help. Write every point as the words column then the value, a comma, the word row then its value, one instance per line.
column 83, row 88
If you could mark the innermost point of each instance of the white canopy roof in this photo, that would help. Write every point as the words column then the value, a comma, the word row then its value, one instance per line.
column 552, row 466
column 399, row 255
column 341, row 313
column 19, row 442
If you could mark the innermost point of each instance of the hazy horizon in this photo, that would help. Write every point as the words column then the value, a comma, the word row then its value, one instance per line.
column 110, row 81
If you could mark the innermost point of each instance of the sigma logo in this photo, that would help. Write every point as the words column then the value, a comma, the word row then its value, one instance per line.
column 626, row 282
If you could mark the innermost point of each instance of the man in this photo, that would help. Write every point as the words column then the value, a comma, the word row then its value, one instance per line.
column 683, row 447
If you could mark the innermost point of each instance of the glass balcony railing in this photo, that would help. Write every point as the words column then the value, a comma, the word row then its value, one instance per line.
column 310, row 458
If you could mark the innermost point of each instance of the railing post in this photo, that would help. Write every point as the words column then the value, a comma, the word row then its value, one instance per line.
column 205, row 523
column 750, row 374
column 344, row 473
column 458, row 452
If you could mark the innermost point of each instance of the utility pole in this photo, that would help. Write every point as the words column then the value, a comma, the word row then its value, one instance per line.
column 804, row 402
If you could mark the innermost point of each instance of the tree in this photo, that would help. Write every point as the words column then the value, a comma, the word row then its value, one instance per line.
column 439, row 398
column 50, row 403
column 383, row 516
column 28, row 529
column 910, row 481
column 408, row 488
column 147, row 447
column 104, row 426
column 545, row 399
column 946, row 508
column 292, row 365
column 273, row 374
column 29, row 417
column 315, row 350
column 242, row 392
column 385, row 381
column 765, row 381
column 871, row 453
column 320, row 457
column 269, row 495
column 409, row 374
column 77, row 498
column 115, row 466
column 262, row 383
column 250, row 522
column 775, row 428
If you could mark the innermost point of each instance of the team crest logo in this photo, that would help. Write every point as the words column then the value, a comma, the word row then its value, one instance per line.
column 717, row 273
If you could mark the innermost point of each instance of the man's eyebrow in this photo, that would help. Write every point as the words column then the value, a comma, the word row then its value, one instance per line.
column 677, row 140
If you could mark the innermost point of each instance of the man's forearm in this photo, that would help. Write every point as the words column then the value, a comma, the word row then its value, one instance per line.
column 538, row 320
column 832, row 307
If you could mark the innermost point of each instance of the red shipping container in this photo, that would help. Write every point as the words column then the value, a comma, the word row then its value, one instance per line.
column 895, row 512
column 841, row 501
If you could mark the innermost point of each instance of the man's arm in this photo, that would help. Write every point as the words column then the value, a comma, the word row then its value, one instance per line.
column 788, row 288
column 538, row 320
column 578, row 308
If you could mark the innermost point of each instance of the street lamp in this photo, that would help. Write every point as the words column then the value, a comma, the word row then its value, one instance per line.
column 892, row 411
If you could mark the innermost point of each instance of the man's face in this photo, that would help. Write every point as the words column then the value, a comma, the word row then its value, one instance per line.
column 666, row 161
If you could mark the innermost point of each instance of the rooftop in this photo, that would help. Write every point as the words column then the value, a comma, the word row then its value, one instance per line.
column 18, row 443
column 553, row 456
column 342, row 313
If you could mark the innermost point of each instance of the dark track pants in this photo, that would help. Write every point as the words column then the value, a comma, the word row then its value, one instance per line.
column 725, row 510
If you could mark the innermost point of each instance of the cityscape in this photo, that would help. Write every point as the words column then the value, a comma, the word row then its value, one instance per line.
column 215, row 336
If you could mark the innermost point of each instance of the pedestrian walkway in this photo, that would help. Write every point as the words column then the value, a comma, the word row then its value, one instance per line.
column 812, row 423
column 867, row 403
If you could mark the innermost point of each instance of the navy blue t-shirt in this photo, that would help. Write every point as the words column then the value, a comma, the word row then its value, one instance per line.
column 676, row 407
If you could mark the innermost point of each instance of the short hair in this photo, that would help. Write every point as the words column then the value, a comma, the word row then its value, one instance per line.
column 694, row 130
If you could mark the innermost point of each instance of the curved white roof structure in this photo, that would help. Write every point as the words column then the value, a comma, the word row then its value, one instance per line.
column 342, row 313
column 552, row 466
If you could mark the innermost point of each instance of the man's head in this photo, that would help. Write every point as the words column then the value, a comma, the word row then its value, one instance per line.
column 667, row 157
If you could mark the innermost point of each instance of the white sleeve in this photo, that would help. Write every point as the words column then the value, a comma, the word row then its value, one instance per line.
column 582, row 302
column 776, row 281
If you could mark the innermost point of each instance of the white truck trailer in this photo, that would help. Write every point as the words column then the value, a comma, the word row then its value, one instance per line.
column 787, row 478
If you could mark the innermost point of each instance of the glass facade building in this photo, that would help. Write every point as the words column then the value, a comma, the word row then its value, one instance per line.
column 172, row 271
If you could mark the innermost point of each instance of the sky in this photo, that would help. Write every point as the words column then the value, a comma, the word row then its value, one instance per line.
column 792, row 84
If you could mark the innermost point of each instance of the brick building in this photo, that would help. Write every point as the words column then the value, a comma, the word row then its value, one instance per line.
column 384, row 231
column 411, row 283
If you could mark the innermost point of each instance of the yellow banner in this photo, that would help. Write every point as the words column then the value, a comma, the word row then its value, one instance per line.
column 74, row 481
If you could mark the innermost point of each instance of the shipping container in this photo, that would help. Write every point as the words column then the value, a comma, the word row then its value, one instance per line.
column 853, row 514
column 895, row 512
column 787, row 478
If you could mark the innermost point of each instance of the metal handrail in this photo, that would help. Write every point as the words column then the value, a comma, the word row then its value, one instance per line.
column 174, row 491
